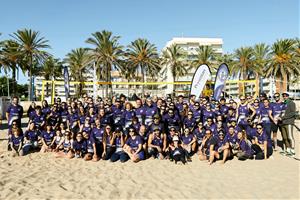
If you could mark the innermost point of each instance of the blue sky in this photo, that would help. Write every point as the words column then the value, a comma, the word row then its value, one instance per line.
column 68, row 23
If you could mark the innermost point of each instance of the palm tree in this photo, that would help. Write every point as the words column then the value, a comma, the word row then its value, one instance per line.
column 32, row 48
column 78, row 61
column 282, row 62
column 106, row 54
column 143, row 56
column 243, row 65
column 10, row 59
column 225, row 58
column 175, row 58
column 261, row 59
column 205, row 55
column 51, row 68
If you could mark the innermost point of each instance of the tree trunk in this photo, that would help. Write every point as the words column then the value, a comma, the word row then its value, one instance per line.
column 14, row 90
column 128, row 88
column 110, row 85
column 284, row 83
column 47, row 88
column 30, row 85
column 174, row 79
column 143, row 80
column 107, row 85
column 257, row 83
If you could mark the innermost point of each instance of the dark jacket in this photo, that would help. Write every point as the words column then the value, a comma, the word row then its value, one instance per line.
column 290, row 113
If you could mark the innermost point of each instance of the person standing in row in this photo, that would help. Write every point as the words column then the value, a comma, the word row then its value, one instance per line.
column 287, row 122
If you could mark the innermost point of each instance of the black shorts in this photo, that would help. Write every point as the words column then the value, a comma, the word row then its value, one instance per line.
column 274, row 127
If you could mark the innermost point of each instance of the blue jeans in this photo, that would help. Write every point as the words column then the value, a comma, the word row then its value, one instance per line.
column 120, row 155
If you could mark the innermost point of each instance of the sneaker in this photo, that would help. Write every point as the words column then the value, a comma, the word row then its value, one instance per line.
column 283, row 153
column 289, row 154
column 292, row 152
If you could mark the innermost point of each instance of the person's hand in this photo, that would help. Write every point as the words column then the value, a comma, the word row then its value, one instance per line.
column 103, row 154
column 95, row 157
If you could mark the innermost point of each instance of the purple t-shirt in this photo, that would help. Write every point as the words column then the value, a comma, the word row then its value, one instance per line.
column 134, row 143
column 98, row 133
column 48, row 137
column 187, row 139
column 31, row 135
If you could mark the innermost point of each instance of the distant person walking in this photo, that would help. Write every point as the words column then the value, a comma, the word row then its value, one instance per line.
column 287, row 123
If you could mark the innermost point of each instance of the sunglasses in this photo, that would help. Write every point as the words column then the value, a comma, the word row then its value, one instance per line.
column 172, row 130
column 259, row 128
column 242, row 99
column 276, row 96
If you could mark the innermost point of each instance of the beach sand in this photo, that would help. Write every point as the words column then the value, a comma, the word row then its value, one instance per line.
column 41, row 176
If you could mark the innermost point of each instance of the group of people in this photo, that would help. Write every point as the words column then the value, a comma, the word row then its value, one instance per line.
column 151, row 127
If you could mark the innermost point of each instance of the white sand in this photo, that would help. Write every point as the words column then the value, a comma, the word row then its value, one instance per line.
column 41, row 176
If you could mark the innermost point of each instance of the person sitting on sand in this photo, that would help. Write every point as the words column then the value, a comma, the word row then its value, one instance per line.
column 244, row 147
column 176, row 151
column 208, row 147
column 134, row 146
column 157, row 144
column 17, row 142
column 31, row 138
column 188, row 142
column 47, row 139
column 232, row 140
column 262, row 145
column 67, row 144
column 91, row 148
column 108, row 146
column 199, row 133
column 98, row 134
column 79, row 146
column 118, row 141
column 222, row 151
column 56, row 144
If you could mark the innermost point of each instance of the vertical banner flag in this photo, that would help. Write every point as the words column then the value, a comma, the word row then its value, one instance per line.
column 200, row 77
column 67, row 84
column 221, row 77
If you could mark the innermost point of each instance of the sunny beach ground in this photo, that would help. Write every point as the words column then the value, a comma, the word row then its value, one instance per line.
column 41, row 176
